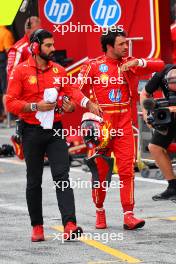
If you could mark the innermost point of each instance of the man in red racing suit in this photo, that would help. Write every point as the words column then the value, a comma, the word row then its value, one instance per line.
column 111, row 82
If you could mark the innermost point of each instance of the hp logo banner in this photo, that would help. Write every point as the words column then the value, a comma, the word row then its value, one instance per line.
column 58, row 11
column 105, row 13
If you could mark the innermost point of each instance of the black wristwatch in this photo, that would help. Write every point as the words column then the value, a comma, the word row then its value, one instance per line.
column 33, row 107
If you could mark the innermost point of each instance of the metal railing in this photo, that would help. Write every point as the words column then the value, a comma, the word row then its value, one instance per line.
column 130, row 41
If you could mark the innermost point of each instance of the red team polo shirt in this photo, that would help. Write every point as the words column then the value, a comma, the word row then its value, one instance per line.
column 27, row 85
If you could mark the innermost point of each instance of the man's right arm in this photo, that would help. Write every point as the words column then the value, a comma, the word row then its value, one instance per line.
column 14, row 104
column 85, row 78
column 152, row 85
column 13, row 100
column 75, row 92
column 144, row 95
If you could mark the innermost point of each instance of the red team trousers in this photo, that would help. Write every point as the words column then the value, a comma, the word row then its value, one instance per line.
column 123, row 148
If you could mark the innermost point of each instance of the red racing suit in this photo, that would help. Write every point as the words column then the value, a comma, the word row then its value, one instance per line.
column 18, row 53
column 116, row 96
column 27, row 85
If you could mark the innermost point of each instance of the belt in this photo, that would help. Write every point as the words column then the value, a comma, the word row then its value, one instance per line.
column 55, row 125
column 30, row 125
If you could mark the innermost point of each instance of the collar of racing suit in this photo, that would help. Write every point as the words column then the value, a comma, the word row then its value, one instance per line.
column 114, row 61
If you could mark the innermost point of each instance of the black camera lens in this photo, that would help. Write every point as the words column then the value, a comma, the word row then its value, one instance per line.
column 162, row 115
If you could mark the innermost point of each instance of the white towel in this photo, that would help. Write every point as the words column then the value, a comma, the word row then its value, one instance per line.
column 46, row 118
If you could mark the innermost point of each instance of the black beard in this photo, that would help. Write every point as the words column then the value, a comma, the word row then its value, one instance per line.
column 47, row 57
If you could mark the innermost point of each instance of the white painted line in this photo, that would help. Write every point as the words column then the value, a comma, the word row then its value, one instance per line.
column 137, row 178
column 12, row 161
column 5, row 136
column 12, row 207
column 151, row 180
column 141, row 179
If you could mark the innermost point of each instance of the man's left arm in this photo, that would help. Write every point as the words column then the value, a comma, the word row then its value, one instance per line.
column 143, row 66
column 14, row 103
column 172, row 109
column 79, row 98
column 68, row 105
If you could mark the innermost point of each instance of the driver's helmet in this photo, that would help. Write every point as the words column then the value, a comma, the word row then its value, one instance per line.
column 95, row 132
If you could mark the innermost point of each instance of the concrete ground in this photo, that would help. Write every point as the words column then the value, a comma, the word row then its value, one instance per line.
column 155, row 243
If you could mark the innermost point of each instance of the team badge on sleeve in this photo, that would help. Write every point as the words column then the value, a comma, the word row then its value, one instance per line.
column 103, row 68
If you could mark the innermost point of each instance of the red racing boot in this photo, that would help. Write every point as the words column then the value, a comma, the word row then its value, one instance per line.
column 131, row 222
column 100, row 219
column 72, row 231
column 37, row 233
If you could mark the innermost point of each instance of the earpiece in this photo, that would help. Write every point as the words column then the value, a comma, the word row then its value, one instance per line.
column 166, row 79
column 35, row 48
column 35, row 43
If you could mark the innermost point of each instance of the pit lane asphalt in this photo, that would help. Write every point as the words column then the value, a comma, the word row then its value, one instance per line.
column 155, row 243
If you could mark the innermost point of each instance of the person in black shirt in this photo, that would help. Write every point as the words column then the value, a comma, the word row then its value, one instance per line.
column 166, row 81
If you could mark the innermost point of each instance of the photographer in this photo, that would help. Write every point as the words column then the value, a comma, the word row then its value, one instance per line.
column 161, row 139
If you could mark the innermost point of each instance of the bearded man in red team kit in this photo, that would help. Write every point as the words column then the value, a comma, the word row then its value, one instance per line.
column 27, row 85
column 116, row 100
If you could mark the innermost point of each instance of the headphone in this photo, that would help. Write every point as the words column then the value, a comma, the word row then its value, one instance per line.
column 28, row 25
column 35, row 42
column 165, row 80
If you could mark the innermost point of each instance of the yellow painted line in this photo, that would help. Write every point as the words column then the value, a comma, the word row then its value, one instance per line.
column 49, row 236
column 150, row 218
column 171, row 218
column 12, row 161
column 103, row 262
column 111, row 251
column 58, row 228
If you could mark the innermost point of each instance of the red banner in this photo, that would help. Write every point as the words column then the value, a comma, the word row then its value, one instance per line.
column 76, row 24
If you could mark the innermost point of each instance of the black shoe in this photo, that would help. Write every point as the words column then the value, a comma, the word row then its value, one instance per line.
column 168, row 194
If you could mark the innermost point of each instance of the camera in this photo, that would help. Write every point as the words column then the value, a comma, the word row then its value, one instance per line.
column 158, row 115
column 61, row 97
